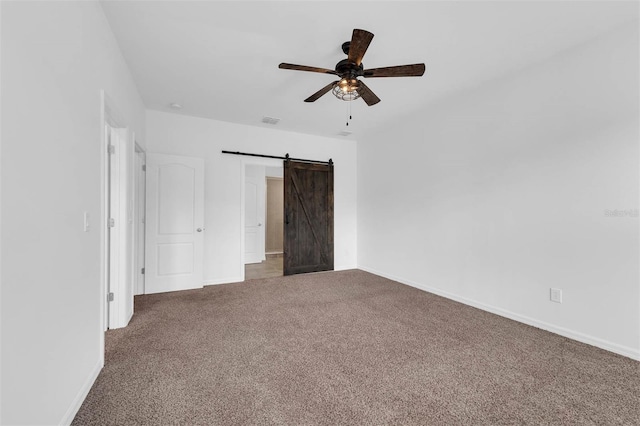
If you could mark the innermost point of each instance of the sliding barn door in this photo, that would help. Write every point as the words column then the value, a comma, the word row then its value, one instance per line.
column 308, row 217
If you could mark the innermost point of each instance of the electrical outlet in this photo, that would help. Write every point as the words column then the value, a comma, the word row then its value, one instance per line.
column 556, row 295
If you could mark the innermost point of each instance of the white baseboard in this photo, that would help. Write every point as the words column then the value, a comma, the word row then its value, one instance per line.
column 128, row 320
column 223, row 281
column 237, row 279
column 571, row 334
column 82, row 394
column 344, row 267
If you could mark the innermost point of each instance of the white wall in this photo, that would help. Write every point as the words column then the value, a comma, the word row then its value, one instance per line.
column 198, row 137
column 500, row 193
column 56, row 57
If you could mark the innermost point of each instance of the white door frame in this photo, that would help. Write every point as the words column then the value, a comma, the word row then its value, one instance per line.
column 108, row 117
column 266, row 213
column 139, row 218
column 253, row 161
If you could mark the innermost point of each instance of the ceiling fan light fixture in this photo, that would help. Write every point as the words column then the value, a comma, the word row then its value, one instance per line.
column 346, row 89
column 343, row 95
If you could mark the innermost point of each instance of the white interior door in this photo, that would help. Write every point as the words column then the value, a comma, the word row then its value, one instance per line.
column 174, row 223
column 254, row 209
column 120, row 286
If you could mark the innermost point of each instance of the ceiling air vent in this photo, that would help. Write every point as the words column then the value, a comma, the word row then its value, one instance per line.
column 344, row 133
column 270, row 120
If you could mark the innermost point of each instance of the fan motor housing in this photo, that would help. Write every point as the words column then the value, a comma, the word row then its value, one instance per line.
column 348, row 69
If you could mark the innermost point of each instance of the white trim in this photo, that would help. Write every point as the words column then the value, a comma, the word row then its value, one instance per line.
column 139, row 211
column 345, row 267
column 128, row 317
column 565, row 332
column 104, row 205
column 242, row 217
column 1, row 351
column 82, row 394
column 231, row 280
column 219, row 281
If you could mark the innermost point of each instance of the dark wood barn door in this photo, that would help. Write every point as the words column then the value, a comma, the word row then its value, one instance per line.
column 308, row 217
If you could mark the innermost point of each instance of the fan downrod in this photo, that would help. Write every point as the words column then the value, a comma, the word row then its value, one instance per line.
column 348, row 69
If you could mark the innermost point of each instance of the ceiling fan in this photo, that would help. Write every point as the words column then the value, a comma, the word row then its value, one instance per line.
column 349, row 87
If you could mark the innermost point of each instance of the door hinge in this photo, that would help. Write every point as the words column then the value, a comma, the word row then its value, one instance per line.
column 112, row 223
column 142, row 271
column 111, row 149
column 110, row 297
column 144, row 167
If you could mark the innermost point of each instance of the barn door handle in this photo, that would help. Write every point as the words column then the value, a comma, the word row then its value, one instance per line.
column 286, row 219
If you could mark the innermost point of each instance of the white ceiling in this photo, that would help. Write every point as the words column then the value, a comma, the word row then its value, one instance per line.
column 220, row 59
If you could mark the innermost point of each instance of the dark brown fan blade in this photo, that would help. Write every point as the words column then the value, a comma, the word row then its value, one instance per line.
column 359, row 43
column 415, row 70
column 320, row 92
column 306, row 68
column 367, row 95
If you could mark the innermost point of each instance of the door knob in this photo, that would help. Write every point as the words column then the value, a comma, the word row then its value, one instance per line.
column 200, row 229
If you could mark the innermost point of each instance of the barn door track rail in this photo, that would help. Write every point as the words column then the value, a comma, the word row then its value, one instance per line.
column 286, row 157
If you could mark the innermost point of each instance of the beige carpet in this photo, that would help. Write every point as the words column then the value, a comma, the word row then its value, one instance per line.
column 347, row 348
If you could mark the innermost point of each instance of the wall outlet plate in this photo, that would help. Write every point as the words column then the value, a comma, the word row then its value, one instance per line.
column 556, row 295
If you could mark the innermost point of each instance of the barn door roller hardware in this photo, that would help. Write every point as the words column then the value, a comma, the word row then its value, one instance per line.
column 286, row 157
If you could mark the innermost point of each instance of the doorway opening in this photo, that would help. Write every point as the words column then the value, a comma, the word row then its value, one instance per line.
column 263, row 221
column 306, row 218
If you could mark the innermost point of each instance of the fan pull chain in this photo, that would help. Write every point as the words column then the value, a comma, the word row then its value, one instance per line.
column 350, row 100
